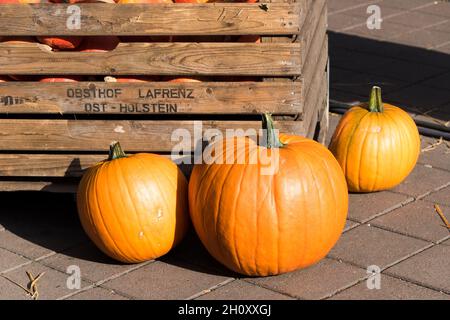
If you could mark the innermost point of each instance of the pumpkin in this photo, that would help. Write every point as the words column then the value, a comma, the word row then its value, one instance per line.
column 265, row 223
column 376, row 144
column 145, row 1
column 134, row 208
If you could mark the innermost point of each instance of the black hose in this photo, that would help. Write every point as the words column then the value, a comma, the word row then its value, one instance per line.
column 429, row 129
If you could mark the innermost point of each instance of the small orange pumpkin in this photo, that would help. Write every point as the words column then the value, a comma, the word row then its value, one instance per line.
column 261, row 223
column 376, row 144
column 134, row 208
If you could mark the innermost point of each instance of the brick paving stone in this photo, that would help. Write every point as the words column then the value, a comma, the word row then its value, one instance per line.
column 52, row 285
column 386, row 11
column 438, row 8
column 416, row 19
column 409, row 4
column 429, row 268
column 388, row 31
column 349, row 225
column 441, row 197
column 423, row 180
column 441, row 27
column 391, row 289
column 418, row 97
column 241, row 290
column 334, row 120
column 444, row 49
column 340, row 21
column 94, row 265
column 441, row 81
column 97, row 294
column 365, row 246
column 344, row 5
column 417, row 219
column 9, row 260
column 10, row 291
column 316, row 282
column 446, row 243
column 362, row 83
column 424, row 38
column 365, row 206
column 160, row 280
column 22, row 246
column 437, row 158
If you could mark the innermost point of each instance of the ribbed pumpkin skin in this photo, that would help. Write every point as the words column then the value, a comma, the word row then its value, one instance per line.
column 134, row 209
column 376, row 150
column 261, row 225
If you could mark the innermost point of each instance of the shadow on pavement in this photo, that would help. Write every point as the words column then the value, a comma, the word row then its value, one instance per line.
column 416, row 79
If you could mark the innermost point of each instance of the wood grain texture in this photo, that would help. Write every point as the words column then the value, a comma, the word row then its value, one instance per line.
column 151, row 98
column 154, row 19
column 48, row 186
column 156, row 59
column 134, row 135
column 52, row 165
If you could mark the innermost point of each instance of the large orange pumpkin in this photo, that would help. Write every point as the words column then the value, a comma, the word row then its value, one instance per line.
column 260, row 223
column 61, row 43
column 376, row 144
column 134, row 208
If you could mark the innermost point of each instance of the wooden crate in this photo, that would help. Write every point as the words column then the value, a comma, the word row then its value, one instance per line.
column 51, row 132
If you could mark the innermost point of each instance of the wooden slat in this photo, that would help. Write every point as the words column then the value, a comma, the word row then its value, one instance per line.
column 154, row 19
column 157, row 59
column 54, row 165
column 151, row 98
column 317, row 49
column 96, row 135
column 48, row 186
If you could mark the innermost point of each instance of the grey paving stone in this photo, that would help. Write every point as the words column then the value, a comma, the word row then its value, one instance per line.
column 417, row 219
column 365, row 206
column 97, row 294
column 444, row 49
column 52, row 285
column 316, row 282
column 386, row 11
column 423, row 180
column 11, row 291
column 446, row 243
column 9, row 260
column 94, row 265
column 429, row 268
column 441, row 197
column 241, row 290
column 365, row 246
column 437, row 158
column 160, row 280
column 391, row 289
column 22, row 246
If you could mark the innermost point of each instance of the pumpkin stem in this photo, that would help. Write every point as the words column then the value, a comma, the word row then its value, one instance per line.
column 115, row 151
column 376, row 103
column 272, row 139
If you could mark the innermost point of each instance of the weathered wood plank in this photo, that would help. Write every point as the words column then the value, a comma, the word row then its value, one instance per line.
column 154, row 19
column 52, row 165
column 135, row 135
column 151, row 98
column 48, row 186
column 256, row 59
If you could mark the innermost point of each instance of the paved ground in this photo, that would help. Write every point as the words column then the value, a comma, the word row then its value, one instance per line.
column 397, row 230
